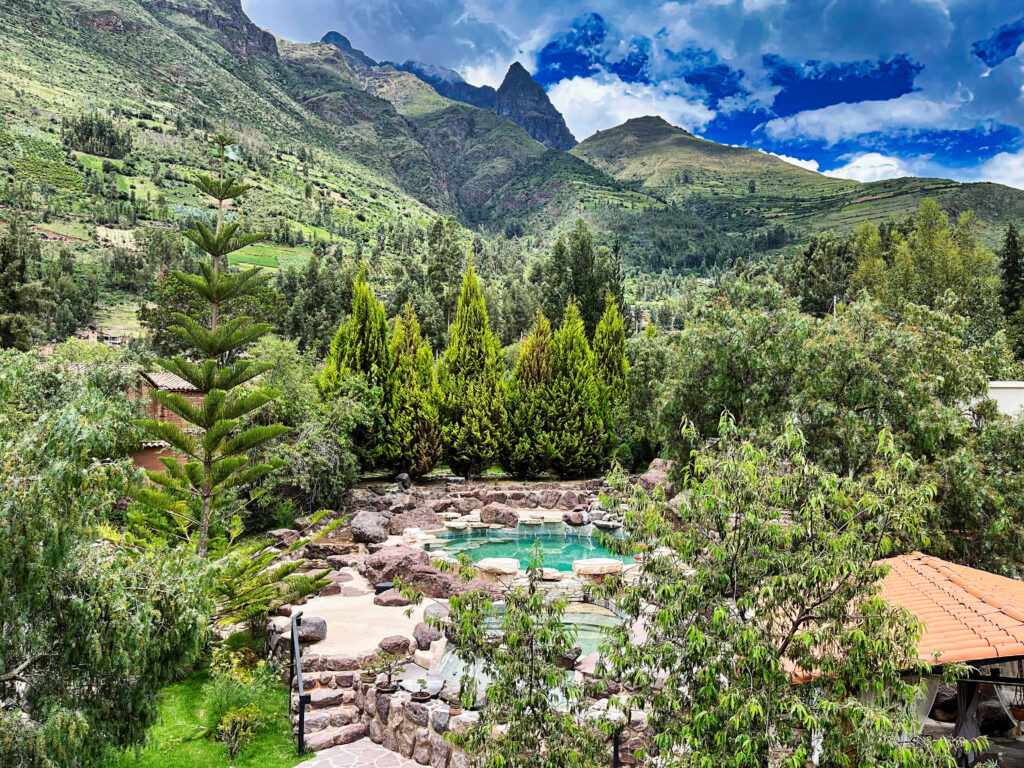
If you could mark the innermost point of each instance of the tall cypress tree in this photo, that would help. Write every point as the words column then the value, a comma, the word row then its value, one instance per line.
column 361, row 343
column 471, row 408
column 412, row 443
column 214, row 444
column 610, row 364
column 579, row 417
column 1013, row 271
column 526, row 446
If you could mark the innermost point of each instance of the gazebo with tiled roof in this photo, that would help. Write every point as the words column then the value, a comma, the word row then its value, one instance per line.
column 967, row 616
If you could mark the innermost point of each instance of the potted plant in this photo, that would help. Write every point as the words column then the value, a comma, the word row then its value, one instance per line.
column 422, row 694
column 387, row 665
column 455, row 703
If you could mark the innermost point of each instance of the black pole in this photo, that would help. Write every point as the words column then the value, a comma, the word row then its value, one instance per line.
column 615, row 750
column 296, row 673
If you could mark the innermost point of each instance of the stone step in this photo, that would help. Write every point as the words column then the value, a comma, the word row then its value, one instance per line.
column 330, row 737
column 325, row 698
column 322, row 719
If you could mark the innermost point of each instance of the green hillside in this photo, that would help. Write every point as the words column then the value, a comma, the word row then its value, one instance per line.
column 674, row 165
column 338, row 149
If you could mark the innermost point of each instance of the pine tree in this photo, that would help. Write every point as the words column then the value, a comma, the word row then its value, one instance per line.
column 1012, row 261
column 471, row 409
column 412, row 443
column 610, row 364
column 215, row 446
column 526, row 447
column 579, row 412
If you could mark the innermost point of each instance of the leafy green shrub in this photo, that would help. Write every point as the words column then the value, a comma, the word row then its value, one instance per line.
column 237, row 728
column 238, row 680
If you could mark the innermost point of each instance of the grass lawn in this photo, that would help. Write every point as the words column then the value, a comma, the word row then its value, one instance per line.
column 176, row 741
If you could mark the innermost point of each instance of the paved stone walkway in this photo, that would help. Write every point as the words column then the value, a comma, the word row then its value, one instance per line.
column 359, row 754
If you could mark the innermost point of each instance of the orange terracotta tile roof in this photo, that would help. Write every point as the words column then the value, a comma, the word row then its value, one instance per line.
column 968, row 615
column 167, row 380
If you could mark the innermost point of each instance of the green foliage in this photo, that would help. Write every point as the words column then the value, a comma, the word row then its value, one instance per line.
column 979, row 518
column 238, row 679
column 361, row 344
column 844, row 378
column 610, row 364
column 471, row 410
column 579, row 415
column 533, row 711
column 934, row 259
column 238, row 727
column 321, row 457
column 572, row 270
column 90, row 381
column 1011, row 260
column 88, row 634
column 315, row 296
column 446, row 260
column 821, row 273
column 773, row 641
column 412, row 443
column 171, row 297
column 739, row 353
column 638, row 426
column 526, row 448
column 23, row 297
column 96, row 134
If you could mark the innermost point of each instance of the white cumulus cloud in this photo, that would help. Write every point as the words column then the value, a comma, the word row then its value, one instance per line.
column 590, row 105
column 810, row 165
column 848, row 121
column 872, row 166
column 1005, row 168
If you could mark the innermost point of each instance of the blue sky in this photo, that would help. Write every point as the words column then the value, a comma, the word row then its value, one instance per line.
column 863, row 89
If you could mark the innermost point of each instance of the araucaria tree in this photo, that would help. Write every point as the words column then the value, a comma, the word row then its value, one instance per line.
column 412, row 442
column 213, row 442
column 471, row 408
column 579, row 416
column 766, row 641
column 526, row 446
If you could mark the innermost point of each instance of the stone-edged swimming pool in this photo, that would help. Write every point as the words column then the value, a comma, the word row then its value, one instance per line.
column 560, row 544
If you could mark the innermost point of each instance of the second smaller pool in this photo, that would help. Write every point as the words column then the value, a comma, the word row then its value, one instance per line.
column 558, row 545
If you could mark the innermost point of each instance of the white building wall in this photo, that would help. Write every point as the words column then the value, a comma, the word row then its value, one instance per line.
column 1009, row 396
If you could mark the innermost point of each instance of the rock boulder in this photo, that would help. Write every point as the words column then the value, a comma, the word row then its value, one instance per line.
column 390, row 562
column 499, row 513
column 368, row 528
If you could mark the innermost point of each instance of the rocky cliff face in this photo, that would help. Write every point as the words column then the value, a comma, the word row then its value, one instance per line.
column 523, row 100
column 235, row 32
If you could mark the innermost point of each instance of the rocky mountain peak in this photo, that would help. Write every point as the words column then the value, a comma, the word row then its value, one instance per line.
column 524, row 101
column 355, row 57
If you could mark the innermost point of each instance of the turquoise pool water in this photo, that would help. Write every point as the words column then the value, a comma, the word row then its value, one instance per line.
column 558, row 550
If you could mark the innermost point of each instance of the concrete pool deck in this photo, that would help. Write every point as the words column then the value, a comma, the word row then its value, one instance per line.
column 354, row 624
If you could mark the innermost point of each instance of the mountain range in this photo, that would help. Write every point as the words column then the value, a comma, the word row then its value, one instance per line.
column 411, row 140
